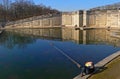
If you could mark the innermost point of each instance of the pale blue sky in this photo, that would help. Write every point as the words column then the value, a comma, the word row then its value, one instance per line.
column 73, row 5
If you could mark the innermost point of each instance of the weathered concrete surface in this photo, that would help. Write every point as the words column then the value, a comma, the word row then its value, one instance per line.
column 100, row 64
column 74, row 19
column 69, row 19
column 38, row 21
column 96, row 18
column 31, row 27
column 103, row 18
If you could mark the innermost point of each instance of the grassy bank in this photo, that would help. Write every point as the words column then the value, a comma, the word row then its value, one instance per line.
column 111, row 71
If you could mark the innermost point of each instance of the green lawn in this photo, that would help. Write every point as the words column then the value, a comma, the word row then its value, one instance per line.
column 112, row 71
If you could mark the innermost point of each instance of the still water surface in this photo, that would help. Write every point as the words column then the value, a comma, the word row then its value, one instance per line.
column 29, row 53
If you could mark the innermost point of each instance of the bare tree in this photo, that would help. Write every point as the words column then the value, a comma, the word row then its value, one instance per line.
column 6, row 6
column 20, row 9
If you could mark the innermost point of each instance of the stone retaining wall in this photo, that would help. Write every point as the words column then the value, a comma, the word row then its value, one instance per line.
column 39, row 21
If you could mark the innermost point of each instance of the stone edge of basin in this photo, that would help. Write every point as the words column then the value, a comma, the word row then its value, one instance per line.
column 101, row 63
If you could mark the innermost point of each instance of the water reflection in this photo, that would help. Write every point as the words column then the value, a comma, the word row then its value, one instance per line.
column 10, row 40
column 22, row 37
column 28, row 54
column 100, row 36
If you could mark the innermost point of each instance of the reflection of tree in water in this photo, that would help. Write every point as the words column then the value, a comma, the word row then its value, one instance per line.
column 10, row 40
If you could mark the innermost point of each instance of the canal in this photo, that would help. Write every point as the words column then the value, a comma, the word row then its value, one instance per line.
column 30, row 53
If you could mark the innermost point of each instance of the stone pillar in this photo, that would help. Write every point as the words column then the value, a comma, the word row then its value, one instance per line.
column 118, row 18
column 84, row 18
column 51, row 22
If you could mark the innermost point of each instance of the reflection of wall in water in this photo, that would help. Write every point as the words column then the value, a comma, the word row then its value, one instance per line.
column 66, row 34
column 90, row 36
column 72, row 34
column 101, row 37
column 43, row 33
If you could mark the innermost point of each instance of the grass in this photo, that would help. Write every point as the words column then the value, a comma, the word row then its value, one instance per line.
column 112, row 71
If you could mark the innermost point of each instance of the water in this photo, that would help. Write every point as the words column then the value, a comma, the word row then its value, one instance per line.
column 29, row 53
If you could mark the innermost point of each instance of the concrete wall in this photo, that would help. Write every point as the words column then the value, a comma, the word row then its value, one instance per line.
column 103, row 18
column 91, row 18
column 68, row 19
column 40, row 21
column 71, row 19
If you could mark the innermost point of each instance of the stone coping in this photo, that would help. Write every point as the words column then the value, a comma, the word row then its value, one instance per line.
column 102, row 63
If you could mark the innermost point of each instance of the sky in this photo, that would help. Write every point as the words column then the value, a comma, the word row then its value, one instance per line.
column 73, row 5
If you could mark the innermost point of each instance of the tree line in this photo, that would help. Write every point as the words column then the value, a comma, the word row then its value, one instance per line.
column 20, row 9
